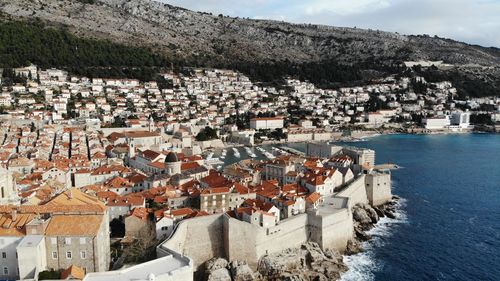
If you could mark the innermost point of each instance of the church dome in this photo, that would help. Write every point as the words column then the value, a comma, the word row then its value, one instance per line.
column 171, row 158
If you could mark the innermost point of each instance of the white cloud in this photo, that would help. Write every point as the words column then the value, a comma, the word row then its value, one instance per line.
column 472, row 21
column 343, row 7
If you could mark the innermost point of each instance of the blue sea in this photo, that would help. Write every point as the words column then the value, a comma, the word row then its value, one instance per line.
column 448, row 220
column 448, row 225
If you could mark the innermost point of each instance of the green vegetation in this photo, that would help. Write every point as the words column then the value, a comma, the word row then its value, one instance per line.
column 466, row 86
column 376, row 104
column 49, row 275
column 117, row 227
column 327, row 73
column 481, row 119
column 9, row 78
column 24, row 43
column 206, row 134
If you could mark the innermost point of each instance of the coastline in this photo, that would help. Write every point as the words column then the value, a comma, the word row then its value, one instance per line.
column 358, row 136
column 310, row 262
column 363, row 264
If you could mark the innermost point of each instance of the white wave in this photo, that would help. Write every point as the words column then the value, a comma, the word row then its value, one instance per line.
column 363, row 266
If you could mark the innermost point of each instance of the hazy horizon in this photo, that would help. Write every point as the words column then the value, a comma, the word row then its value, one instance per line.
column 470, row 21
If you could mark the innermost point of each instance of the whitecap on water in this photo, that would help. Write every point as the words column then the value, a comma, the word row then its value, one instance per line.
column 363, row 266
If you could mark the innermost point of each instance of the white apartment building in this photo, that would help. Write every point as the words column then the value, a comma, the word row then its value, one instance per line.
column 437, row 123
column 460, row 119
column 267, row 123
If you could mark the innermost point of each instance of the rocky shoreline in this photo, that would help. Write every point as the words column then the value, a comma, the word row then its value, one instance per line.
column 307, row 263
column 365, row 218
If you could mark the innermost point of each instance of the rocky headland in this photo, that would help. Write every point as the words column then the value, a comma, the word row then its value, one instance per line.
column 308, row 262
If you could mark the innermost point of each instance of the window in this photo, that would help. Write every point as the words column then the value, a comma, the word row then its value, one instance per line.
column 53, row 241
column 5, row 270
column 4, row 255
column 69, row 255
column 54, row 255
column 83, row 241
column 83, row 255
column 67, row 241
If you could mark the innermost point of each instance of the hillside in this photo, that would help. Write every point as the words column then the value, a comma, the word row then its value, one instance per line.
column 262, row 48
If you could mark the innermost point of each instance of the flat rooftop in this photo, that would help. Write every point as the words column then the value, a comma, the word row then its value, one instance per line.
column 157, row 267
column 30, row 241
column 332, row 205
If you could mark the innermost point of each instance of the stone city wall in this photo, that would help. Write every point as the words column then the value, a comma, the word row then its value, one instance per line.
column 220, row 235
column 355, row 191
column 199, row 238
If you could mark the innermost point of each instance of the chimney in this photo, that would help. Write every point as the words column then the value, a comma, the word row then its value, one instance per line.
column 14, row 214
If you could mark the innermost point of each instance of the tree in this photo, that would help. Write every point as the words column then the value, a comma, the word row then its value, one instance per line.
column 22, row 43
column 206, row 134
column 49, row 275
column 117, row 228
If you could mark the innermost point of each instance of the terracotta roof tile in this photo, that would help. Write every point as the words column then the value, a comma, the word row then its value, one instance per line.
column 74, row 225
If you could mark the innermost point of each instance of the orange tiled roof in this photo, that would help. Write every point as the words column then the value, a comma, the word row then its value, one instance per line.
column 196, row 214
column 313, row 197
column 140, row 134
column 73, row 272
column 10, row 227
column 158, row 164
column 75, row 198
column 141, row 213
column 150, row 154
column 181, row 212
column 214, row 179
column 74, row 225
column 216, row 190
column 189, row 166
column 126, row 201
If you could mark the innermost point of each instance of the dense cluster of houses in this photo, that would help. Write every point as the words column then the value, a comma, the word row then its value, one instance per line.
column 127, row 176
column 56, row 97
column 78, row 155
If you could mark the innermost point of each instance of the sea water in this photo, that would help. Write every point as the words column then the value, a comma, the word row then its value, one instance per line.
column 448, row 220
column 448, row 223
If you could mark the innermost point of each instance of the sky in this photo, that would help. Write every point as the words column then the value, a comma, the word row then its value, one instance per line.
column 471, row 21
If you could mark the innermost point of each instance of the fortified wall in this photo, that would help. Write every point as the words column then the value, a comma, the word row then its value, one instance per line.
column 199, row 238
column 330, row 225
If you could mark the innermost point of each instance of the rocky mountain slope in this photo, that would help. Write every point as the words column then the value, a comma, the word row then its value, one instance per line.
column 199, row 39
column 189, row 34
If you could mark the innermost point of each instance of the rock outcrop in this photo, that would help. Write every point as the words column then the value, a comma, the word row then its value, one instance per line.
column 240, row 271
column 216, row 269
column 309, row 262
column 219, row 269
column 365, row 217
